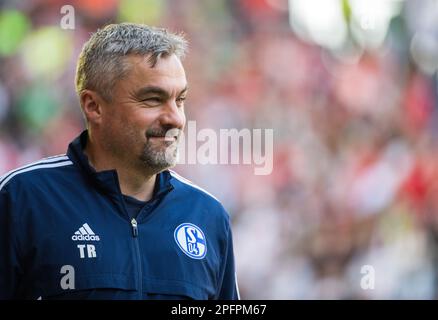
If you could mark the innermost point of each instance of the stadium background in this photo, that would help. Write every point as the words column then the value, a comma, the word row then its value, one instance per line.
column 350, row 90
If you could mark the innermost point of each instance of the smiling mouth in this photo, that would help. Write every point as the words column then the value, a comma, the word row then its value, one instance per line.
column 163, row 138
column 168, row 135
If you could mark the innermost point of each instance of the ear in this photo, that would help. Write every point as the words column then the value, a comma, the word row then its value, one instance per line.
column 91, row 104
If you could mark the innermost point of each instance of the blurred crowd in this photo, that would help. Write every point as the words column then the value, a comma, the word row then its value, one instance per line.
column 355, row 176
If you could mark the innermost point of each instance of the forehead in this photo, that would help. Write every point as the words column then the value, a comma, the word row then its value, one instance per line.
column 168, row 73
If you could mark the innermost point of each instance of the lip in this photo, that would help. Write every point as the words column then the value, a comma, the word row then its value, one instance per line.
column 163, row 138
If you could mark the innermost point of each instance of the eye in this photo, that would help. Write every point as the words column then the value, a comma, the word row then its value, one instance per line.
column 180, row 101
column 153, row 101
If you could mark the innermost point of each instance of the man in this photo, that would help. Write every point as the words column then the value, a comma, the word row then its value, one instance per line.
column 108, row 220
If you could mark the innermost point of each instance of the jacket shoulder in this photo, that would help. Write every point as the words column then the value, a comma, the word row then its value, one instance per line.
column 33, row 171
column 193, row 191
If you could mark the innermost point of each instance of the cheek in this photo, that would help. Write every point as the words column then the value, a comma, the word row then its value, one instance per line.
column 109, row 125
column 133, row 123
column 145, row 119
column 118, row 128
column 137, row 126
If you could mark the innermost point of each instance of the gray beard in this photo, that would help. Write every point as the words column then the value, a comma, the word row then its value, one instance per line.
column 161, row 159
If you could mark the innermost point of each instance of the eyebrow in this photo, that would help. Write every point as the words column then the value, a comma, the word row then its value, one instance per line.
column 157, row 90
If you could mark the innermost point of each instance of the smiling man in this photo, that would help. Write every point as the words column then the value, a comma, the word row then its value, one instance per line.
column 108, row 220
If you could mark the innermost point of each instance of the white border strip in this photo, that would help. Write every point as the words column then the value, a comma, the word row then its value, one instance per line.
column 190, row 183
column 45, row 160
column 237, row 286
column 41, row 166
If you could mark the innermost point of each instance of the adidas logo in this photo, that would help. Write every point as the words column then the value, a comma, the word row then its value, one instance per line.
column 85, row 234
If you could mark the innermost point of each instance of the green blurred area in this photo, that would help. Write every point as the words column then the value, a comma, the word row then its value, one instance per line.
column 142, row 11
column 46, row 51
column 36, row 106
column 14, row 26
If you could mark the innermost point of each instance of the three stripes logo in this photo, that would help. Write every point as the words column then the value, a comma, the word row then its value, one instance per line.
column 85, row 234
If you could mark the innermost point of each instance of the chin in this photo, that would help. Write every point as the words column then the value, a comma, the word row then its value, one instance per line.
column 158, row 162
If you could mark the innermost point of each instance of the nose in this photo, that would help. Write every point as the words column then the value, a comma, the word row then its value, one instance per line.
column 172, row 116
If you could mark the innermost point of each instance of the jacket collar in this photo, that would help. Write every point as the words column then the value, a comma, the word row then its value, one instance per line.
column 107, row 181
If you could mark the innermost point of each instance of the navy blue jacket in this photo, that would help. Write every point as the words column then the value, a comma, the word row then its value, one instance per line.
column 65, row 233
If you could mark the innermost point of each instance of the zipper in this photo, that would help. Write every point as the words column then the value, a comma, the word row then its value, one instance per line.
column 134, row 228
column 137, row 249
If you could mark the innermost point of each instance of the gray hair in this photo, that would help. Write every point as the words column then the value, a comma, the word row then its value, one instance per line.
column 101, row 62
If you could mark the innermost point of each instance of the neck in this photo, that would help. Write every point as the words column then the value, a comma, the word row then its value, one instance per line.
column 135, row 183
